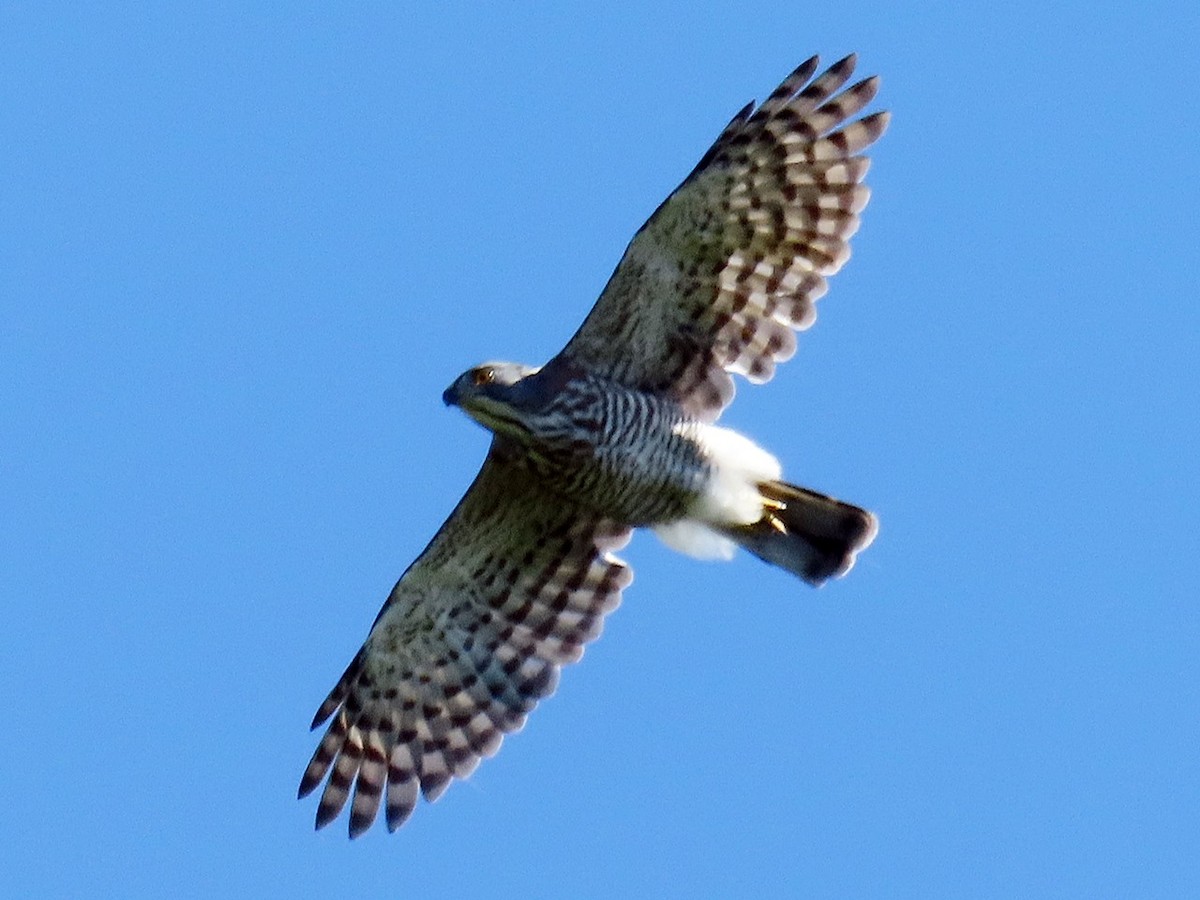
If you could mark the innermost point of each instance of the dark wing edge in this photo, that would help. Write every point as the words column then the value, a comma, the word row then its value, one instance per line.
column 731, row 264
column 473, row 635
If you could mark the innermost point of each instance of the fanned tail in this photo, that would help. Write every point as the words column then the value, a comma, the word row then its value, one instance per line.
column 809, row 534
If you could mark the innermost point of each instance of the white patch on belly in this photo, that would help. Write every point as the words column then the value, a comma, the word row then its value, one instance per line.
column 739, row 465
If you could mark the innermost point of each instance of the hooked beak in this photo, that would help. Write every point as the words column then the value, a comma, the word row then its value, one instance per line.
column 450, row 395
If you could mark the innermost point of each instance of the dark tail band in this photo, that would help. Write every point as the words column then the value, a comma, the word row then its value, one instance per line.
column 806, row 533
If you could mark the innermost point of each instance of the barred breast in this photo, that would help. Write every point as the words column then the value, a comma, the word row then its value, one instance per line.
column 633, row 457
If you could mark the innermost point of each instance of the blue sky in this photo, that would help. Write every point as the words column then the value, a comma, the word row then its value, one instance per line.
column 244, row 248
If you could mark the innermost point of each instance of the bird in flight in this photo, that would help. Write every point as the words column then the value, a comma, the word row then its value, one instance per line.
column 616, row 432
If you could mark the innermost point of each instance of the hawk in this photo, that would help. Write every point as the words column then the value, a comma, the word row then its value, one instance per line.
column 616, row 432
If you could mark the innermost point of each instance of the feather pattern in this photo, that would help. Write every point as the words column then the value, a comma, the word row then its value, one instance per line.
column 472, row 636
column 730, row 265
column 521, row 575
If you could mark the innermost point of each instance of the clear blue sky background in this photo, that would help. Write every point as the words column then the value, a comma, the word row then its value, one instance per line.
column 244, row 247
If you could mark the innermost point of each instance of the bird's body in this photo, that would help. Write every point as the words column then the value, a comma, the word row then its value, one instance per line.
column 622, row 454
column 635, row 457
column 616, row 432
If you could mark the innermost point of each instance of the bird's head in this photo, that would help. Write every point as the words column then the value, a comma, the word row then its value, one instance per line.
column 500, row 396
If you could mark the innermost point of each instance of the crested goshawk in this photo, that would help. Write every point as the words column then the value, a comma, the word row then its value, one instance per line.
column 615, row 432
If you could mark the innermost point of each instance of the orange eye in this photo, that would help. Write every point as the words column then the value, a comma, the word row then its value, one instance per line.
column 483, row 376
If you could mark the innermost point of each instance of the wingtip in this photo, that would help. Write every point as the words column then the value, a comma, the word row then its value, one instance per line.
column 308, row 783
column 805, row 70
column 327, row 709
column 845, row 64
column 359, row 824
column 326, row 813
column 866, row 89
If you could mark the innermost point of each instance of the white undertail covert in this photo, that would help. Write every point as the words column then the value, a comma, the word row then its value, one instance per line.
column 731, row 496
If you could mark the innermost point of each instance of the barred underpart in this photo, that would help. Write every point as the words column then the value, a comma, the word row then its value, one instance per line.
column 626, row 455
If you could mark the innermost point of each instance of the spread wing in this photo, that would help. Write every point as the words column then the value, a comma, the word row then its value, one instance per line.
column 732, row 262
column 472, row 636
